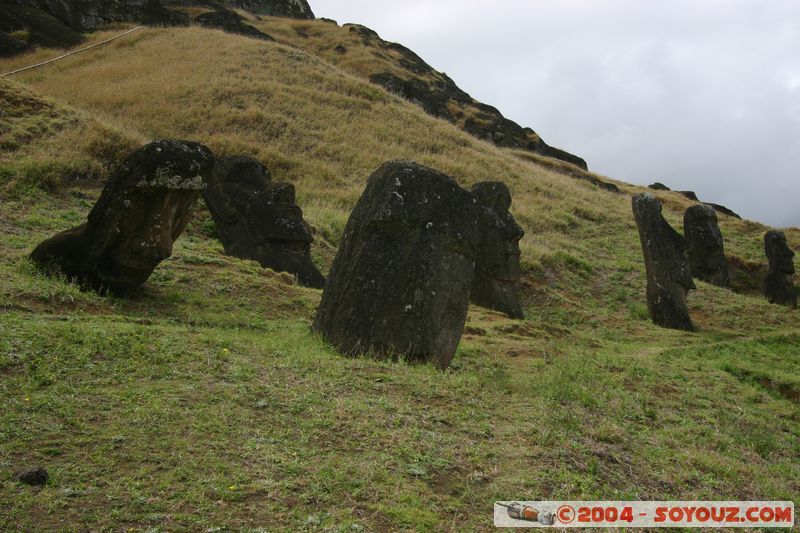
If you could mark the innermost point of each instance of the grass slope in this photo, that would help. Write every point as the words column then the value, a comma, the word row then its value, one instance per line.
column 203, row 401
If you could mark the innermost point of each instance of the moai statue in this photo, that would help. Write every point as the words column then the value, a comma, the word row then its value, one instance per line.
column 497, row 268
column 259, row 219
column 143, row 209
column 706, row 246
column 778, row 285
column 400, row 283
column 669, row 276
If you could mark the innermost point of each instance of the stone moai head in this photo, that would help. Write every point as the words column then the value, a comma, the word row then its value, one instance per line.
column 497, row 266
column 669, row 276
column 706, row 247
column 780, row 256
column 401, row 280
column 144, row 207
column 259, row 219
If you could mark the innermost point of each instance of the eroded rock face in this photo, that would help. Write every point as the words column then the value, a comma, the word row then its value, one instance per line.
column 706, row 246
column 779, row 285
column 231, row 22
column 143, row 209
column 401, row 280
column 297, row 9
column 497, row 267
column 258, row 219
column 669, row 276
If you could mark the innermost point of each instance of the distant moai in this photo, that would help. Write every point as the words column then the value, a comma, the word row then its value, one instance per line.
column 400, row 283
column 497, row 269
column 143, row 209
column 668, row 273
column 259, row 219
column 778, row 284
column 706, row 245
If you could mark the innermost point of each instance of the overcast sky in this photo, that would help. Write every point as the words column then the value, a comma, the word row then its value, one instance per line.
column 701, row 95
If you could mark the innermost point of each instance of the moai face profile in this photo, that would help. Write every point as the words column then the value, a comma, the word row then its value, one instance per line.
column 779, row 284
column 706, row 247
column 259, row 219
column 669, row 276
column 401, row 280
column 497, row 266
column 780, row 256
column 143, row 209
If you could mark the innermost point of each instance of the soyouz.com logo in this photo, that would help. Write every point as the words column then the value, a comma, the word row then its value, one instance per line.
column 644, row 514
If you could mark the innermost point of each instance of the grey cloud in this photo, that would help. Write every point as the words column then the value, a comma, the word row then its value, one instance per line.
column 698, row 94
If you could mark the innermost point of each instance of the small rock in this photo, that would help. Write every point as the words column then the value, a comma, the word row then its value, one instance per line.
column 658, row 187
column 36, row 477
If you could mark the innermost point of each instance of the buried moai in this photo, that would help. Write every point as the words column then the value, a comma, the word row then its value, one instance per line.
column 143, row 209
column 401, row 280
column 706, row 247
column 497, row 266
column 669, row 276
column 778, row 284
column 258, row 219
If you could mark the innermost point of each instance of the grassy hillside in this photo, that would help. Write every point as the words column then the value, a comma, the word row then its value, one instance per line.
column 203, row 401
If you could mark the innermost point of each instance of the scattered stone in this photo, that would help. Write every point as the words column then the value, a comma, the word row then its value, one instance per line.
column 258, row 219
column 231, row 22
column 779, row 285
column 36, row 477
column 328, row 21
column 669, row 276
column 402, row 277
column 659, row 187
column 706, row 245
column 497, row 268
column 690, row 195
column 340, row 49
column 143, row 209
column 724, row 210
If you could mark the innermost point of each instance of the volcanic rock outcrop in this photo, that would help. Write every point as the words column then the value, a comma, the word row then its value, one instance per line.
column 296, row 9
column 706, row 246
column 497, row 268
column 669, row 276
column 401, row 280
column 258, row 219
column 231, row 22
column 143, row 209
column 778, row 284
column 413, row 79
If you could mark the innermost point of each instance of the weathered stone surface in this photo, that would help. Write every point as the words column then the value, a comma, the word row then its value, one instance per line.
column 258, row 219
column 723, row 210
column 706, row 246
column 231, row 22
column 43, row 29
column 779, row 284
column 143, row 209
column 10, row 46
column 669, row 276
column 691, row 195
column 297, row 9
column 658, row 187
column 35, row 477
column 497, row 268
column 401, row 280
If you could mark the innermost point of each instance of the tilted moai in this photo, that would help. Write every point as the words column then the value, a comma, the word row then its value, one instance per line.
column 143, row 209
column 401, row 280
column 778, row 285
column 705, row 245
column 669, row 276
column 497, row 267
column 258, row 219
